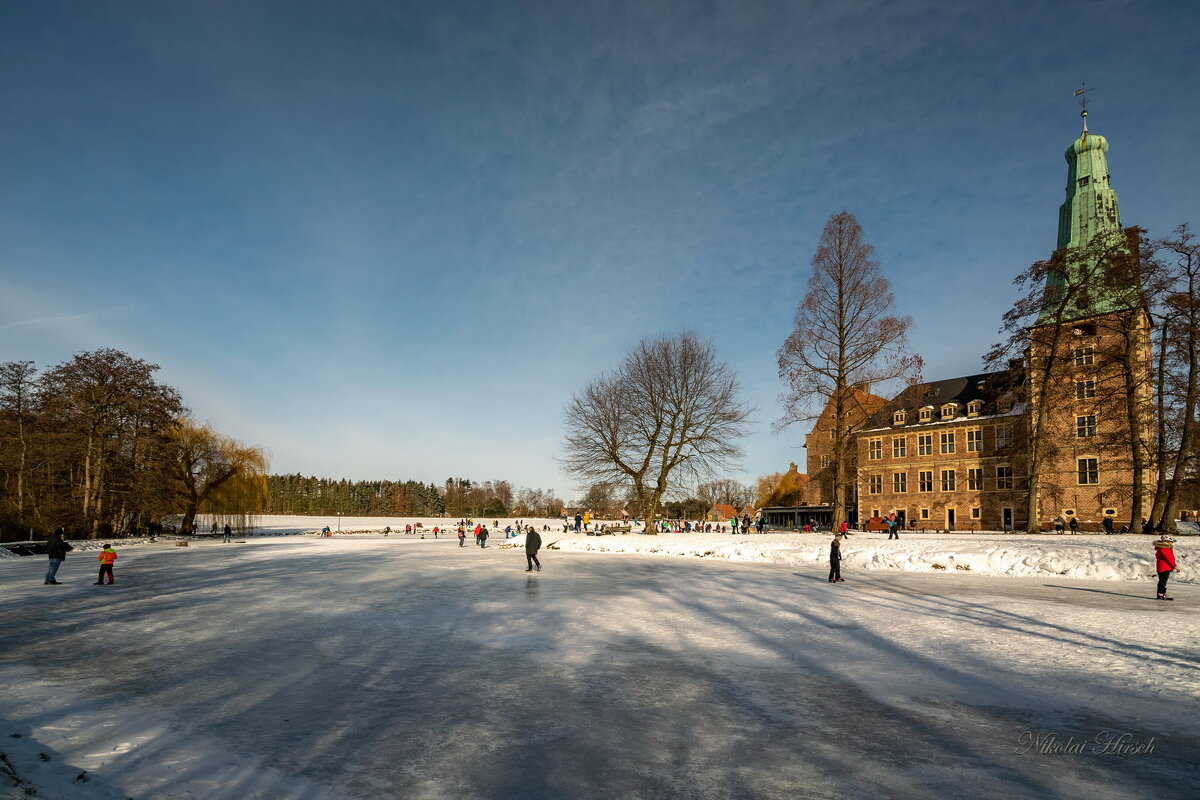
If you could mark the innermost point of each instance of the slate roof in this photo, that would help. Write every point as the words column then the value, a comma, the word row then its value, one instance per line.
column 989, row 387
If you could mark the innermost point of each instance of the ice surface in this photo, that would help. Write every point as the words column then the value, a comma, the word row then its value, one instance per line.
column 364, row 667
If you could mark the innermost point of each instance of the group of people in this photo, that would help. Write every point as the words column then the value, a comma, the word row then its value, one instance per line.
column 57, row 549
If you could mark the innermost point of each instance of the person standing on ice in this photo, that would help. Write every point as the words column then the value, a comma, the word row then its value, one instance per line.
column 835, row 560
column 106, row 558
column 533, row 543
column 1164, row 564
column 57, row 549
column 462, row 536
column 483, row 537
column 228, row 533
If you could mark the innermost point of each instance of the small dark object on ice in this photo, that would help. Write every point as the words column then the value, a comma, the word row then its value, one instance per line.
column 43, row 757
column 82, row 777
column 1164, row 597
column 14, row 736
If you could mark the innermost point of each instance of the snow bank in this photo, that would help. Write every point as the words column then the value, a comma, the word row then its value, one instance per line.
column 1118, row 558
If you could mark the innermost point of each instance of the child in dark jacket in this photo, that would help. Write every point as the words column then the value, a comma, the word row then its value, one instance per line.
column 107, row 557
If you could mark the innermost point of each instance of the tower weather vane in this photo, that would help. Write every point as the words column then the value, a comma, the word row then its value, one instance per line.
column 1081, row 93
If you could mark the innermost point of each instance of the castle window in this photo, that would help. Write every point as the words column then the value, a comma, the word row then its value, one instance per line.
column 949, row 410
column 898, row 418
column 824, row 462
column 899, row 482
column 900, row 447
column 1003, row 437
column 948, row 480
column 974, row 407
column 1085, row 426
column 925, row 481
column 1086, row 329
column 1004, row 477
column 1085, row 389
column 927, row 414
column 975, row 479
column 875, row 449
column 948, row 442
column 1085, row 356
column 924, row 513
column 875, row 484
column 925, row 444
column 1084, row 181
column 1089, row 471
column 975, row 440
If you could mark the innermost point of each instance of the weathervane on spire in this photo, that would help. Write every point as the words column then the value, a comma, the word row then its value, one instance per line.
column 1081, row 93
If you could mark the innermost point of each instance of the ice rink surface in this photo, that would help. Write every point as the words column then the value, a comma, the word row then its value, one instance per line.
column 374, row 667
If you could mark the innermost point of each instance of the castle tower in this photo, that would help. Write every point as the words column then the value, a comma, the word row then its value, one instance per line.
column 1089, row 355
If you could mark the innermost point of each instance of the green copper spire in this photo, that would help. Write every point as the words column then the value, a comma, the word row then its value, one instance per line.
column 1091, row 205
column 1090, row 215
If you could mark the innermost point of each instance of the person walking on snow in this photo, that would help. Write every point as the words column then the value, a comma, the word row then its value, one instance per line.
column 893, row 526
column 835, row 561
column 1164, row 564
column 106, row 558
column 57, row 549
column 733, row 523
column 533, row 543
column 844, row 529
column 483, row 537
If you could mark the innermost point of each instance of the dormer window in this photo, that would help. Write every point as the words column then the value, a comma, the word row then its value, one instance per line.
column 974, row 407
column 949, row 410
column 899, row 417
column 927, row 414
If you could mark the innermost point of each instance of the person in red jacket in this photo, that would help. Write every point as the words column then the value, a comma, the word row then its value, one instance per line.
column 106, row 558
column 1164, row 563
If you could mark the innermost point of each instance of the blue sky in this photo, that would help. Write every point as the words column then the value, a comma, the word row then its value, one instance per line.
column 390, row 239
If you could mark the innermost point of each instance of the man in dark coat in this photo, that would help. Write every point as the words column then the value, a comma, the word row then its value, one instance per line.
column 533, row 543
column 57, row 549
column 482, row 536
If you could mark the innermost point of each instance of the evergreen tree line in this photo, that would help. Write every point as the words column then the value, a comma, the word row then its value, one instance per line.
column 458, row 497
column 96, row 445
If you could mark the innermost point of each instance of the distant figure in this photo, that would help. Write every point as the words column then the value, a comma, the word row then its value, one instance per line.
column 733, row 523
column 1107, row 522
column 387, row 530
column 1058, row 524
column 57, row 549
column 483, row 537
column 578, row 523
column 229, row 532
column 462, row 536
column 1073, row 525
column 324, row 531
column 1164, row 564
column 835, row 560
column 893, row 526
column 106, row 558
column 435, row 531
column 533, row 543
column 844, row 529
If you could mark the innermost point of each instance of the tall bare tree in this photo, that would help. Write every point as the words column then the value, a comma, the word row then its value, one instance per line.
column 667, row 417
column 726, row 491
column 18, row 416
column 1177, row 356
column 844, row 342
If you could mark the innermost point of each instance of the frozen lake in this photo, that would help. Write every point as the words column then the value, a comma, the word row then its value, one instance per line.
column 379, row 668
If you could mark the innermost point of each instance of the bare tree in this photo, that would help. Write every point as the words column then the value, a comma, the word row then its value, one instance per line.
column 844, row 343
column 726, row 491
column 18, row 416
column 1177, row 351
column 667, row 417
column 1090, row 296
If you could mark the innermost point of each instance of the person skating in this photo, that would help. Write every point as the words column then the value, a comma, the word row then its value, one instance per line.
column 483, row 537
column 1164, row 564
column 57, row 549
column 462, row 536
column 229, row 533
column 835, row 560
column 106, row 558
column 533, row 543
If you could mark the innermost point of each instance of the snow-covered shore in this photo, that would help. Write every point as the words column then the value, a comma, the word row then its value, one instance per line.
column 1128, row 557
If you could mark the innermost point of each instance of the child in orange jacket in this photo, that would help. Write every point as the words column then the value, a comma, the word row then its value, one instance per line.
column 107, row 557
